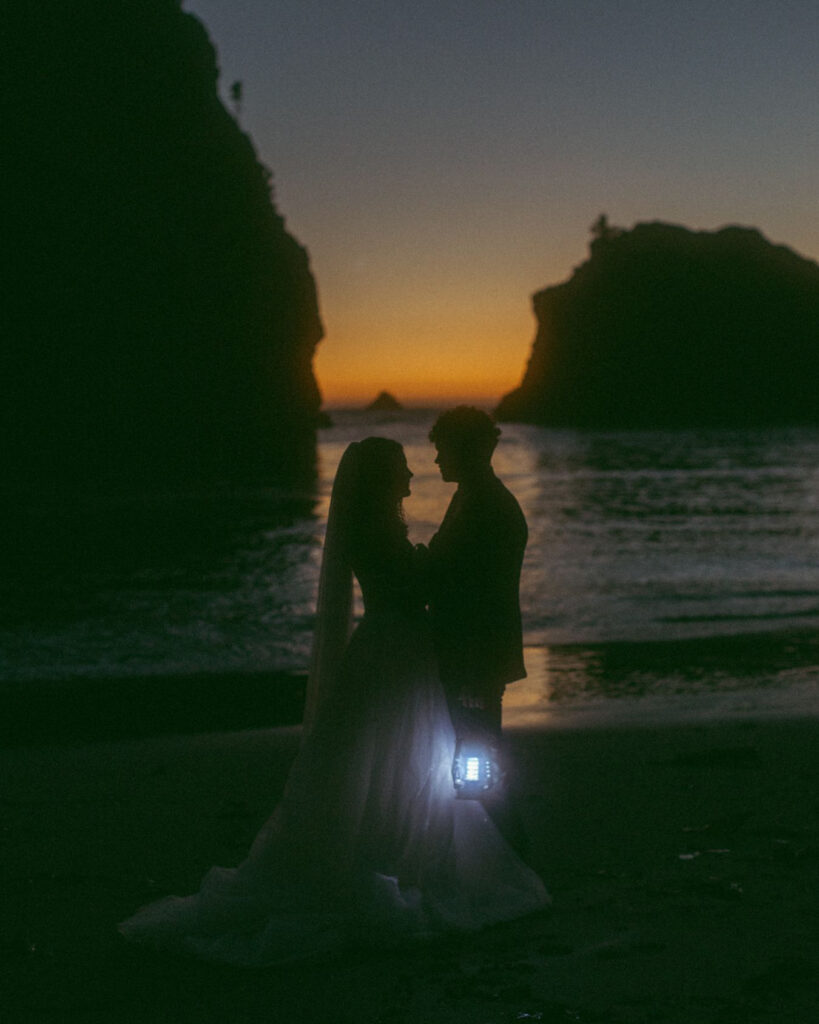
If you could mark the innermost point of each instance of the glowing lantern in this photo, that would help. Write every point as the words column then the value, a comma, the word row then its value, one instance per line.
column 474, row 768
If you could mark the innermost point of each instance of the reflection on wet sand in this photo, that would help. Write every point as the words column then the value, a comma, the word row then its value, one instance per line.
column 761, row 674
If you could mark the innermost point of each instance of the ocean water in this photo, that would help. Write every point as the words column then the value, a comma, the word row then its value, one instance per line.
column 659, row 564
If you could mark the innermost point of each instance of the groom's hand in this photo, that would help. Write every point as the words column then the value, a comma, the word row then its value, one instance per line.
column 469, row 699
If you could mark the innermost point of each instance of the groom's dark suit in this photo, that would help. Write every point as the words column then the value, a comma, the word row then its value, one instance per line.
column 475, row 561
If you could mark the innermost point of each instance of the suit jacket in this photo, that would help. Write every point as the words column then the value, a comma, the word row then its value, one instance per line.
column 475, row 560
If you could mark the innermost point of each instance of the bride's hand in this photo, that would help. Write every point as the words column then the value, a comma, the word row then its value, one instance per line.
column 420, row 564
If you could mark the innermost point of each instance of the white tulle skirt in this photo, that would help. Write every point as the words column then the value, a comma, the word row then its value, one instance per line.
column 369, row 843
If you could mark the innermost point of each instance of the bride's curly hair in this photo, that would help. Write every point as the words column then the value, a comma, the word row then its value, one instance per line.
column 377, row 510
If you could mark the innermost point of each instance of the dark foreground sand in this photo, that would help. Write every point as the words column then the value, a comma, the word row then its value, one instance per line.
column 683, row 861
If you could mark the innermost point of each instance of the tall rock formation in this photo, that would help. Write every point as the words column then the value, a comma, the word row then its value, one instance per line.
column 160, row 321
column 663, row 326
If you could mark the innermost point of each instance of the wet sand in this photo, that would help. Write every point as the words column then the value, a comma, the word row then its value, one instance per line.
column 683, row 861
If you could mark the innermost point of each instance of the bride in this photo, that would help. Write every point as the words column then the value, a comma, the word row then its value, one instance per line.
column 368, row 843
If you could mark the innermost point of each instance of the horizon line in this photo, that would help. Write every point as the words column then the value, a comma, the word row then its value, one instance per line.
column 428, row 402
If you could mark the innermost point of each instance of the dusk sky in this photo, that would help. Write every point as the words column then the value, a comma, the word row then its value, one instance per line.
column 442, row 160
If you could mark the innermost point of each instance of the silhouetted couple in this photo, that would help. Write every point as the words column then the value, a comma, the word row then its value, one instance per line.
column 369, row 843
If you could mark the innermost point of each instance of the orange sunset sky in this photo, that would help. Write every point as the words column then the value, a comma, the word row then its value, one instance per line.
column 458, row 344
column 443, row 160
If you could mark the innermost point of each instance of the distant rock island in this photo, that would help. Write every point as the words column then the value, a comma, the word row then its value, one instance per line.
column 160, row 321
column 385, row 402
column 664, row 326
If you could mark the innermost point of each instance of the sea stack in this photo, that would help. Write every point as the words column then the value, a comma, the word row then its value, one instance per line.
column 385, row 402
column 161, row 320
column 664, row 326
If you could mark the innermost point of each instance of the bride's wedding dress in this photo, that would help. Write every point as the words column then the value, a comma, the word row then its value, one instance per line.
column 369, row 843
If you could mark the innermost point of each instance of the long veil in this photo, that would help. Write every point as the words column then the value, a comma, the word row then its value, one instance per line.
column 334, row 606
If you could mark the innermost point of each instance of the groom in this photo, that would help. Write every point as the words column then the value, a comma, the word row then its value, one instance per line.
column 475, row 560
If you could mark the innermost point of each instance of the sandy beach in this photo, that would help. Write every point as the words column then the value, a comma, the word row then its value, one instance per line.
column 683, row 861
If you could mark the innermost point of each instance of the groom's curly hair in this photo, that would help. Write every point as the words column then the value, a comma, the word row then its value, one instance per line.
column 466, row 428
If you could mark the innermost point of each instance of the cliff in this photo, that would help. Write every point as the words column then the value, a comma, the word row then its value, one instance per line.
column 663, row 326
column 161, row 321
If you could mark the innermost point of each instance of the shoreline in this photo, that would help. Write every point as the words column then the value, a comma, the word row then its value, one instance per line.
column 768, row 674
